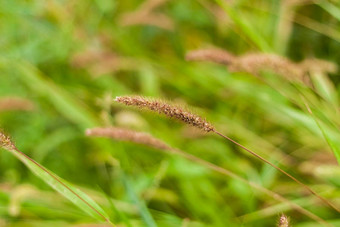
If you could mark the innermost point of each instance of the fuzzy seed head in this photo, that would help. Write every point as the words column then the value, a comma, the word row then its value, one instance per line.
column 166, row 109
column 283, row 221
column 127, row 135
column 319, row 65
column 6, row 142
column 212, row 55
column 256, row 63
column 147, row 14
column 15, row 103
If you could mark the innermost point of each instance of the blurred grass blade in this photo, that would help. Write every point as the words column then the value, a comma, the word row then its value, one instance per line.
column 325, row 87
column 332, row 144
column 144, row 212
column 245, row 27
column 323, row 29
column 79, row 198
column 63, row 102
column 330, row 8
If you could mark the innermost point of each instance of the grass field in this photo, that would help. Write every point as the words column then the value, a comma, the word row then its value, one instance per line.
column 263, row 72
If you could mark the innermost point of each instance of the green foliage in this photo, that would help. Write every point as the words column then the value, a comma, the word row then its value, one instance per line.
column 71, row 58
column 76, row 196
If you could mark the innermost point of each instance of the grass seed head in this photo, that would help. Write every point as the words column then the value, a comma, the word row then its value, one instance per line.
column 169, row 110
column 211, row 55
column 127, row 135
column 15, row 103
column 283, row 221
column 255, row 63
column 6, row 142
column 319, row 65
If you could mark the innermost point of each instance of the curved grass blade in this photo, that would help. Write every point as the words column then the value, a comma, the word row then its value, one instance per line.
column 333, row 144
column 77, row 197
column 247, row 29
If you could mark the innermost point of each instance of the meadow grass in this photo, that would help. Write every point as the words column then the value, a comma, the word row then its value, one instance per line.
column 63, row 62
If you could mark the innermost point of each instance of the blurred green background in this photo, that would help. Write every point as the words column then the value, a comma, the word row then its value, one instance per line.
column 63, row 62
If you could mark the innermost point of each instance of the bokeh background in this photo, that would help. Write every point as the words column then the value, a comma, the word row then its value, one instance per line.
column 63, row 62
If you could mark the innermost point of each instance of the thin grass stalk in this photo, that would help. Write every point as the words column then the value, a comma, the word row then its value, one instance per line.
column 159, row 145
column 281, row 170
column 270, row 193
column 6, row 143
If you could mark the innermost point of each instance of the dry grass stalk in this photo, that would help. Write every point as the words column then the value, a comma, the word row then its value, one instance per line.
column 127, row 135
column 146, row 139
column 146, row 15
column 15, row 103
column 6, row 142
column 283, row 221
column 255, row 63
column 166, row 109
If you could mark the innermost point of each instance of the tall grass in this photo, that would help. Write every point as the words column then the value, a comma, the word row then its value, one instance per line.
column 274, row 90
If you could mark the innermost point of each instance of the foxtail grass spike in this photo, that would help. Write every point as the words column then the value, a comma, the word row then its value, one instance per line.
column 127, row 135
column 15, row 103
column 255, row 63
column 6, row 142
column 166, row 109
column 283, row 221
column 211, row 55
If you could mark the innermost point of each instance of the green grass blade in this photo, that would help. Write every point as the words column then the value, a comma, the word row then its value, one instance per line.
column 79, row 198
column 63, row 102
column 245, row 27
column 330, row 8
column 325, row 87
column 144, row 212
column 332, row 144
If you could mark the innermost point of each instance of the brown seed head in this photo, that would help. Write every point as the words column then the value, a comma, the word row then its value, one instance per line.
column 127, row 135
column 146, row 14
column 15, row 103
column 211, row 55
column 166, row 109
column 6, row 142
column 255, row 63
column 319, row 65
column 283, row 221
